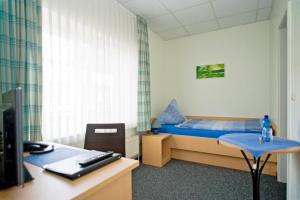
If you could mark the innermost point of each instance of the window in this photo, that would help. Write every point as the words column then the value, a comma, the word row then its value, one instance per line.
column 89, row 67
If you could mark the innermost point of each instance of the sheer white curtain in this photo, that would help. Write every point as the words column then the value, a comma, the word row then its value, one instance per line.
column 89, row 67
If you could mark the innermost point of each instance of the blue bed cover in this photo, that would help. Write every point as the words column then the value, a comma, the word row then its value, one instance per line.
column 172, row 129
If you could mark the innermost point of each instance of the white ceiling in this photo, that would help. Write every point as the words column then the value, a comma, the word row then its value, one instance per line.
column 179, row 18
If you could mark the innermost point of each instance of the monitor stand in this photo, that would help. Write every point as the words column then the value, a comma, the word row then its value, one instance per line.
column 27, row 175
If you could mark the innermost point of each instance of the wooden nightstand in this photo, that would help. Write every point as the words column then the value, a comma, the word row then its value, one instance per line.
column 156, row 149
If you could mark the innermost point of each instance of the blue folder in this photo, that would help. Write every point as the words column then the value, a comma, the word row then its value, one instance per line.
column 58, row 154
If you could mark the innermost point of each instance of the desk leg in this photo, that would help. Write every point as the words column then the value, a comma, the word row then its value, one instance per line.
column 255, row 171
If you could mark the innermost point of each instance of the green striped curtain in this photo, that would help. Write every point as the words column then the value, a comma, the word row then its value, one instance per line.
column 144, row 99
column 21, row 58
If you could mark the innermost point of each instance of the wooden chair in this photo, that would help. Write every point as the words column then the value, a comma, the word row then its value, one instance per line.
column 105, row 137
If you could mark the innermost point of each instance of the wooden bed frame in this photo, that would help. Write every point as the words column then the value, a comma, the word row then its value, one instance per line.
column 158, row 149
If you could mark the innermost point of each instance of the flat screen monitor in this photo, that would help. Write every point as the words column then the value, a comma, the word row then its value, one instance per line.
column 11, row 138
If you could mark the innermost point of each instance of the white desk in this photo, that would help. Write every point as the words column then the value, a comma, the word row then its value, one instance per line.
column 111, row 182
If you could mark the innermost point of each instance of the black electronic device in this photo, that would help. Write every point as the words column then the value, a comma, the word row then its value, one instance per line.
column 70, row 167
column 11, row 139
column 37, row 147
column 86, row 160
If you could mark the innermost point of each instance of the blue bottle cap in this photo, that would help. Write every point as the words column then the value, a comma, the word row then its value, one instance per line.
column 266, row 116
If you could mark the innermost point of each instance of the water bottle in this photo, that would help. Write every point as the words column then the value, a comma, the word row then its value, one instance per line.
column 264, row 134
column 264, row 120
column 267, row 132
column 263, row 126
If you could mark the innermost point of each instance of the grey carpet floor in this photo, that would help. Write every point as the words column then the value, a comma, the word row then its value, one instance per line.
column 181, row 180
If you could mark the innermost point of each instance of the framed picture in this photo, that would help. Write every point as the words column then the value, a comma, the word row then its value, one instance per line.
column 210, row 71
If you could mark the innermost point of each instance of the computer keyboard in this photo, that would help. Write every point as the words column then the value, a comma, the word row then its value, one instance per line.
column 85, row 160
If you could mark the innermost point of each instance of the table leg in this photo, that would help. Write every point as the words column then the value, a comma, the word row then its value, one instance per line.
column 256, row 171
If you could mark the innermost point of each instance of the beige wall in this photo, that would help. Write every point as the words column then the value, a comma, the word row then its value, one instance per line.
column 245, row 90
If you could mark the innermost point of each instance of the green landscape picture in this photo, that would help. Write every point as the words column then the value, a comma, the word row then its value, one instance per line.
column 210, row 71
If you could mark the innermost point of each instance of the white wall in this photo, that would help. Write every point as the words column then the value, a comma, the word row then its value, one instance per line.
column 244, row 91
column 278, row 12
column 293, row 30
column 277, row 15
column 157, row 59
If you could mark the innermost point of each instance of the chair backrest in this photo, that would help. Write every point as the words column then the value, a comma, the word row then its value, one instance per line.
column 105, row 137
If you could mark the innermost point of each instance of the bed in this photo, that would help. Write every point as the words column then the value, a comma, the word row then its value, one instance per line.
column 200, row 145
column 211, row 128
